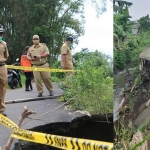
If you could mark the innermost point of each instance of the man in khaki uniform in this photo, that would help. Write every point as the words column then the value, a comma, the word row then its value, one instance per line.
column 38, row 54
column 66, row 56
column 3, row 71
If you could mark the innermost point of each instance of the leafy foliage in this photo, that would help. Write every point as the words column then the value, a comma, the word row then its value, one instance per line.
column 127, row 46
column 122, row 24
column 119, row 5
column 124, row 56
column 144, row 24
column 91, row 88
column 52, row 20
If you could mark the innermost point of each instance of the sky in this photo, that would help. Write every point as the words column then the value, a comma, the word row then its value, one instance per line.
column 139, row 8
column 98, row 31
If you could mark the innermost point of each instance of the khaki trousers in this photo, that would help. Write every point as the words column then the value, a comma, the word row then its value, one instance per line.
column 45, row 76
column 3, row 86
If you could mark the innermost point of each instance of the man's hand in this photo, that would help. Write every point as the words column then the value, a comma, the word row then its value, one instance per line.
column 3, row 59
column 34, row 58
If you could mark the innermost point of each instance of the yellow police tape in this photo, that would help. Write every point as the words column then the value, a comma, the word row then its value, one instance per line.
column 62, row 142
column 38, row 69
column 7, row 122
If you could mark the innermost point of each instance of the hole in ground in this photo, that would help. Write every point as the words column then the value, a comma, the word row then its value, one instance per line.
column 96, row 127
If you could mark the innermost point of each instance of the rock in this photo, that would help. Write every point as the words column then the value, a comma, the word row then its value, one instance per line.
column 144, row 91
column 128, row 89
column 138, row 137
column 142, row 107
column 148, row 128
column 148, row 103
column 130, row 125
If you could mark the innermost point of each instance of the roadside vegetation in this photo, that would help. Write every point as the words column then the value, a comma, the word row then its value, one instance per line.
column 90, row 88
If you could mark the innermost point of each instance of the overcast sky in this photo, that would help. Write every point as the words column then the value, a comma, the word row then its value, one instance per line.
column 139, row 8
column 98, row 31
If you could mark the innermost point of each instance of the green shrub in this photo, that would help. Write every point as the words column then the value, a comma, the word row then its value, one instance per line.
column 91, row 88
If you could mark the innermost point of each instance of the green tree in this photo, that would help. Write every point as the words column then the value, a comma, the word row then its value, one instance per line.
column 122, row 23
column 144, row 24
column 52, row 20
column 120, row 5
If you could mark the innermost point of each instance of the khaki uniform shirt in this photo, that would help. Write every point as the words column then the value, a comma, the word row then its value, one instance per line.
column 38, row 50
column 66, row 50
column 3, row 52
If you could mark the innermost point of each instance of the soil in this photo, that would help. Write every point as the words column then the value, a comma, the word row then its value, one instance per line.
column 139, row 98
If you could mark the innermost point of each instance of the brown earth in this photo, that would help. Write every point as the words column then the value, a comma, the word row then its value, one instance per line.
column 137, row 102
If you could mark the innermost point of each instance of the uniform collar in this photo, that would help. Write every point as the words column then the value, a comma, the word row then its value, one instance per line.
column 3, row 42
column 37, row 46
column 66, row 45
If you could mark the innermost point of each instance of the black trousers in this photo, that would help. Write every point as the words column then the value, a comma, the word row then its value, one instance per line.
column 29, row 76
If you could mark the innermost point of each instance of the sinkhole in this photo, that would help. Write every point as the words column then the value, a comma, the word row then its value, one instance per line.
column 95, row 127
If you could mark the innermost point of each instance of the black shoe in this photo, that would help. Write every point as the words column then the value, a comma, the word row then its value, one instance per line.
column 51, row 94
column 40, row 95
column 3, row 114
column 27, row 90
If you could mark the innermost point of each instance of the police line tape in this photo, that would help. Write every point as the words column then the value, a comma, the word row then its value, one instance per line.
column 61, row 142
column 38, row 69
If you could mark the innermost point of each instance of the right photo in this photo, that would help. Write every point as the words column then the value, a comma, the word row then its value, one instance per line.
column 131, row 37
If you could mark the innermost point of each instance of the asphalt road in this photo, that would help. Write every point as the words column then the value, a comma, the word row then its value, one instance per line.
column 14, row 110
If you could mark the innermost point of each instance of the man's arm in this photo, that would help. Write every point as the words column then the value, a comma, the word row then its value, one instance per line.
column 29, row 57
column 63, row 57
column 6, row 54
column 45, row 54
column 64, row 66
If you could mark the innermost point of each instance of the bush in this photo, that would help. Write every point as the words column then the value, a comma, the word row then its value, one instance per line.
column 91, row 88
column 57, row 76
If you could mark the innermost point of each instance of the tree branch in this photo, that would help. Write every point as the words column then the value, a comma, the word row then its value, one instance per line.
column 24, row 115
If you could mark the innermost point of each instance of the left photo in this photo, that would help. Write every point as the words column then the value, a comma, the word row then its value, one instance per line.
column 56, row 75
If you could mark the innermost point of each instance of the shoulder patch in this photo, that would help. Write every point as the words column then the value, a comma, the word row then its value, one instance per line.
column 31, row 47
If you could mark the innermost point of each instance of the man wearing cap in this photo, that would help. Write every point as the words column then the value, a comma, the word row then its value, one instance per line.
column 3, row 71
column 28, row 73
column 38, row 54
column 66, row 56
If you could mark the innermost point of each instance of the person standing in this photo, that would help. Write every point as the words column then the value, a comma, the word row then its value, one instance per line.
column 66, row 56
column 3, row 71
column 38, row 54
column 28, row 74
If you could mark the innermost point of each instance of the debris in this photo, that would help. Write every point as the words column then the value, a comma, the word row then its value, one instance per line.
column 138, row 137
